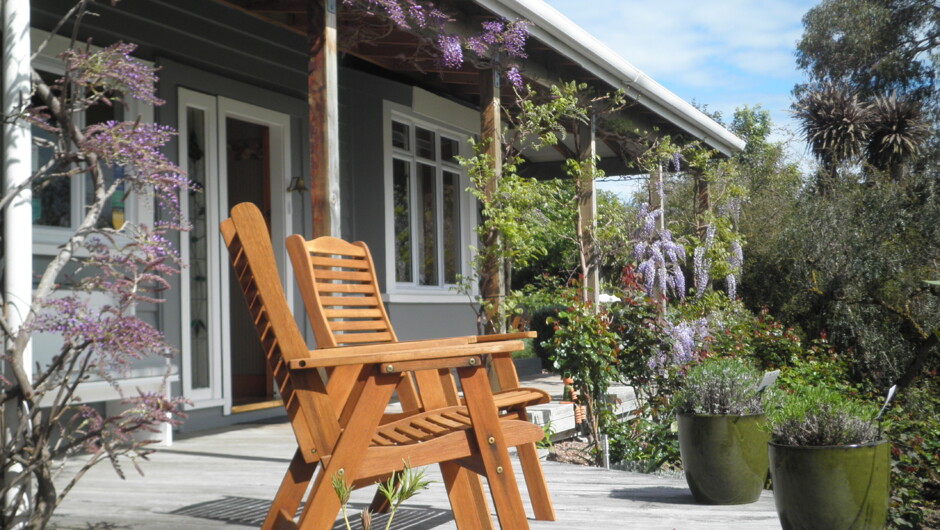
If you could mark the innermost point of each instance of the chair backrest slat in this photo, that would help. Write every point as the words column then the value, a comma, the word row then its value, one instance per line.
column 305, row 397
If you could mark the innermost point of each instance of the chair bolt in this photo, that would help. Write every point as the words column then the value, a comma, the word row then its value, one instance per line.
column 499, row 470
column 491, row 440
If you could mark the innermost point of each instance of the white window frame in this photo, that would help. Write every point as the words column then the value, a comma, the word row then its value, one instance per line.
column 47, row 239
column 412, row 292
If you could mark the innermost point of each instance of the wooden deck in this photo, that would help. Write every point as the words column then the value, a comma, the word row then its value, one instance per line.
column 227, row 478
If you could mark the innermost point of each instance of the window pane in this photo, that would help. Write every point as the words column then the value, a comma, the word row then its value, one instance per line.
column 400, row 136
column 424, row 143
column 427, row 225
column 452, row 245
column 449, row 149
column 401, row 173
column 198, row 249
column 112, row 214
column 52, row 199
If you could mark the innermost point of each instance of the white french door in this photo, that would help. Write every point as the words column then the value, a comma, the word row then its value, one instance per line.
column 234, row 152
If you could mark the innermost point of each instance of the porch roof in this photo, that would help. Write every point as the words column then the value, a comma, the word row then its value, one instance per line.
column 558, row 49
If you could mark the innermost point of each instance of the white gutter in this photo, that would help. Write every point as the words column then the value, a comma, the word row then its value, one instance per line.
column 570, row 40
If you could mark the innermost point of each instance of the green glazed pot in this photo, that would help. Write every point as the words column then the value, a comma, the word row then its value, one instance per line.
column 724, row 457
column 843, row 486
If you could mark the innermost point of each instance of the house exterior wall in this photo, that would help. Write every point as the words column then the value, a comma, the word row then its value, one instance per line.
column 212, row 49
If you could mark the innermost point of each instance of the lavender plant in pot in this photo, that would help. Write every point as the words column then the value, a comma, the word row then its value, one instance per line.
column 828, row 462
column 722, row 441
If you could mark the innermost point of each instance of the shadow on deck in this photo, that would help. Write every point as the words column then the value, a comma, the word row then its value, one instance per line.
column 251, row 512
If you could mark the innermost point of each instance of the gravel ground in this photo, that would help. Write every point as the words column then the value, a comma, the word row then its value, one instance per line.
column 571, row 452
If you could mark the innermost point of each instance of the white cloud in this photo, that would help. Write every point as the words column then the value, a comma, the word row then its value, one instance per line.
column 726, row 53
column 671, row 37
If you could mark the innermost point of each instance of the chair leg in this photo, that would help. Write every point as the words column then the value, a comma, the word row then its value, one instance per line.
column 347, row 453
column 535, row 482
column 291, row 491
column 467, row 500
column 493, row 451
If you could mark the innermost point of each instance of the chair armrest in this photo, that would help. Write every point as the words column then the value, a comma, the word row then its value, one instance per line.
column 375, row 354
column 506, row 336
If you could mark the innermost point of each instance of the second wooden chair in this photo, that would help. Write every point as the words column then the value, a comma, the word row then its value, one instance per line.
column 344, row 306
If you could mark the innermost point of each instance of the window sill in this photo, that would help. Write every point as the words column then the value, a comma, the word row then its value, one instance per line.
column 425, row 297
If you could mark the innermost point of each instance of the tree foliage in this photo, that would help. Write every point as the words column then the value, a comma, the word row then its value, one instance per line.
column 874, row 46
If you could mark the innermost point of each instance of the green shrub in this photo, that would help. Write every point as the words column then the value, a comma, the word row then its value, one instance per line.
column 737, row 331
column 650, row 442
column 538, row 322
column 720, row 385
column 913, row 426
column 818, row 416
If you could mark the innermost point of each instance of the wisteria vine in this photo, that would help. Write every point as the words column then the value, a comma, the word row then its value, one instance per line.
column 499, row 42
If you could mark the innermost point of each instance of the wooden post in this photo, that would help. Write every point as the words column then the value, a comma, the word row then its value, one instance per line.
column 492, row 282
column 322, row 98
column 587, row 208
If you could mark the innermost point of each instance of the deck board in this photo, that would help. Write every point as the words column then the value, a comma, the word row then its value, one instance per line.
column 226, row 478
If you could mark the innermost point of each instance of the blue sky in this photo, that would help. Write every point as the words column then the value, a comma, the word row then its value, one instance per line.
column 723, row 53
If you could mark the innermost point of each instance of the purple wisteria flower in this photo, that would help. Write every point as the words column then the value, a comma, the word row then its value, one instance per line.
column 700, row 268
column 731, row 284
column 514, row 77
column 451, row 50
column 659, row 257
column 136, row 147
column 112, row 69
column 684, row 340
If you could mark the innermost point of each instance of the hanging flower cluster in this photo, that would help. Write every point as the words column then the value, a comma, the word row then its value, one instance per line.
column 113, row 70
column 659, row 257
column 136, row 147
column 498, row 39
column 131, row 267
column 684, row 340
column 701, row 265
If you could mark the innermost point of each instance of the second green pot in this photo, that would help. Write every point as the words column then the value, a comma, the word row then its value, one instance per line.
column 724, row 457
column 843, row 486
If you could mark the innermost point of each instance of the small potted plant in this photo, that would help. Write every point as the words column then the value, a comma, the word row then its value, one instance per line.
column 828, row 462
column 722, row 441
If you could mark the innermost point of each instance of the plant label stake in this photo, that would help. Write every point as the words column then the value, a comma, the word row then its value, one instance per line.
column 877, row 418
column 769, row 379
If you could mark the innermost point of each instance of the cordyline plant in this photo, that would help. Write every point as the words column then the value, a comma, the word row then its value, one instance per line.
column 45, row 419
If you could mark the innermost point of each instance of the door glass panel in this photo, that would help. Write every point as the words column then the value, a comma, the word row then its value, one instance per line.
column 198, row 250
column 451, row 198
column 427, row 225
column 401, row 176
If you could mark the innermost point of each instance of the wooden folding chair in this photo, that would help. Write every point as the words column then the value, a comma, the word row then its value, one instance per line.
column 340, row 292
column 344, row 437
